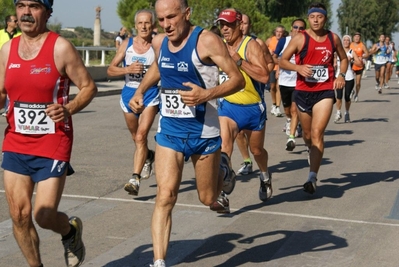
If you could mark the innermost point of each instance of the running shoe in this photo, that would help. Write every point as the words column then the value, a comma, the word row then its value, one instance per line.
column 386, row 86
column 347, row 118
column 265, row 189
column 377, row 86
column 158, row 263
column 379, row 90
column 277, row 112
column 290, row 145
column 338, row 116
column 147, row 171
column 356, row 98
column 229, row 179
column 273, row 110
column 221, row 205
column 133, row 186
column 288, row 127
column 310, row 185
column 246, row 168
column 74, row 248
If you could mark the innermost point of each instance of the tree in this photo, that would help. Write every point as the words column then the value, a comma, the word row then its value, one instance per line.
column 126, row 10
column 7, row 8
column 370, row 17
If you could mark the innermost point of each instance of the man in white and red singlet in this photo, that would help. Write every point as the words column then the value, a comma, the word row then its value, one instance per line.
column 314, row 93
column 36, row 70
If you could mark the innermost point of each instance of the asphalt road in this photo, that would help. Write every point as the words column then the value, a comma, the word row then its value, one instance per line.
column 352, row 219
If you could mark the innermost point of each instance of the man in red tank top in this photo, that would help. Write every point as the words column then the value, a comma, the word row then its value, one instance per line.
column 36, row 69
column 314, row 92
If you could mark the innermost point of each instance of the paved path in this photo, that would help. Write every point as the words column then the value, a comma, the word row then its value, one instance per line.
column 352, row 220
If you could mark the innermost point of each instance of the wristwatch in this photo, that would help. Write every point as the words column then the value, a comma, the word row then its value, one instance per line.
column 239, row 62
column 342, row 75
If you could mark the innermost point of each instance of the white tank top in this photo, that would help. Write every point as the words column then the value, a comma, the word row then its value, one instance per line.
column 287, row 77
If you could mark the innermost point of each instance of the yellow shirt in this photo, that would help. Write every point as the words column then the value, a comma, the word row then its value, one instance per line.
column 249, row 94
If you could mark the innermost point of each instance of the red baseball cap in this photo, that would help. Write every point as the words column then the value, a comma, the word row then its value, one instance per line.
column 229, row 16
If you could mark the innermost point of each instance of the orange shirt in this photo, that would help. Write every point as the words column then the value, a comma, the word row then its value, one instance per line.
column 272, row 47
column 358, row 49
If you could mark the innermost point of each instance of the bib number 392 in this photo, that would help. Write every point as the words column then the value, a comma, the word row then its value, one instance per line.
column 31, row 118
column 173, row 105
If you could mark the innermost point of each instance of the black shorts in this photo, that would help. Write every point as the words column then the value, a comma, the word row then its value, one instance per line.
column 272, row 77
column 377, row 67
column 359, row 72
column 397, row 68
column 287, row 96
column 306, row 100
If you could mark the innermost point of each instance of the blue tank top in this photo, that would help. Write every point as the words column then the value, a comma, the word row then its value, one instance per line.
column 176, row 119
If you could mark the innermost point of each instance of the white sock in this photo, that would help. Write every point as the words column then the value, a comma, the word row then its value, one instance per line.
column 312, row 176
column 264, row 176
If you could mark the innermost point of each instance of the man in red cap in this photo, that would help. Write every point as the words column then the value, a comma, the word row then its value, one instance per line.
column 244, row 110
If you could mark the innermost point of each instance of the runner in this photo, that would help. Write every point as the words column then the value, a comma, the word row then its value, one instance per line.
column 287, row 83
column 314, row 93
column 137, row 55
column 246, row 109
column 361, row 51
column 349, row 80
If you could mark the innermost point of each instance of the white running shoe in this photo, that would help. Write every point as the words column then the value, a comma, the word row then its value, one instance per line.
column 246, row 168
column 338, row 116
column 273, row 110
column 277, row 112
column 265, row 189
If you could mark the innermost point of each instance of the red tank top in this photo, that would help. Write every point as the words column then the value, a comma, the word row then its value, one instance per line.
column 30, row 85
column 321, row 56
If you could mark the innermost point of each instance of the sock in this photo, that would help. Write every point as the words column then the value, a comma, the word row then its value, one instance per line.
column 248, row 160
column 338, row 111
column 71, row 233
column 264, row 176
column 291, row 136
column 312, row 176
column 274, row 104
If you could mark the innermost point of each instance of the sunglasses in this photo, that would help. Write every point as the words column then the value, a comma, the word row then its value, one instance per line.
column 300, row 28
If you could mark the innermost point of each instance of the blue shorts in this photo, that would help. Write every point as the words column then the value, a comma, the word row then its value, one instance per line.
column 248, row 117
column 306, row 100
column 377, row 67
column 151, row 98
column 38, row 168
column 189, row 146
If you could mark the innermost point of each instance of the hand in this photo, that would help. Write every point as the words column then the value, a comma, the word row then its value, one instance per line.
column 135, row 67
column 57, row 112
column 136, row 103
column 339, row 83
column 305, row 70
column 193, row 97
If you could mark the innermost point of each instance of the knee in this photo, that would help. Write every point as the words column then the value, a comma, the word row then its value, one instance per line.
column 21, row 217
column 207, row 199
column 45, row 217
column 140, row 138
column 166, row 199
column 257, row 151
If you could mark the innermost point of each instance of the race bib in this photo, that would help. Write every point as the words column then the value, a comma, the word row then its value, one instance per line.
column 223, row 77
column 173, row 105
column 319, row 74
column 138, row 77
column 31, row 118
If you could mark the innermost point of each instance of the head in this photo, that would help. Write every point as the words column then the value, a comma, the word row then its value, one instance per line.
column 11, row 22
column 297, row 25
column 382, row 38
column 279, row 31
column 346, row 41
column 174, row 18
column 122, row 31
column 356, row 37
column 230, row 24
column 215, row 29
column 317, row 16
column 33, row 14
column 144, row 22
column 387, row 39
column 245, row 24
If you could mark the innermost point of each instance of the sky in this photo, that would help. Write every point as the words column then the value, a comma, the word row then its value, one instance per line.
column 73, row 13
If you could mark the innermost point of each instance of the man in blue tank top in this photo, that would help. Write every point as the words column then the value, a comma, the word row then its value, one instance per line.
column 188, row 128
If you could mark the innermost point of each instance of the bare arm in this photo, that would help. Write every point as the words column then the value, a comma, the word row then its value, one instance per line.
column 255, row 65
column 217, row 53
column 365, row 52
column 339, row 83
column 69, row 63
column 267, row 55
column 4, row 52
